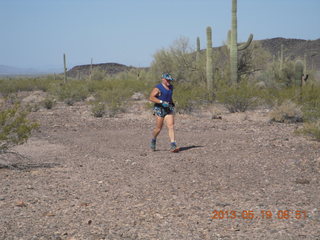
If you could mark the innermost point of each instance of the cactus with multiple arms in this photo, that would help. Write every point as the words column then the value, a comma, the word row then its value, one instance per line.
column 234, row 47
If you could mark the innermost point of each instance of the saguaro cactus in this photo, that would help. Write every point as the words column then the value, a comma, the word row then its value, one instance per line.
column 281, row 58
column 209, row 66
column 305, row 64
column 198, row 44
column 198, row 50
column 304, row 75
column 91, row 70
column 65, row 67
column 233, row 45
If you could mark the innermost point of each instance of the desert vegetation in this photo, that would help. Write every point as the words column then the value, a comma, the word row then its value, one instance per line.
column 263, row 82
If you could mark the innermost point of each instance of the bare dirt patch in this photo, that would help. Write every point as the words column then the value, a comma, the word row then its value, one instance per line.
column 81, row 177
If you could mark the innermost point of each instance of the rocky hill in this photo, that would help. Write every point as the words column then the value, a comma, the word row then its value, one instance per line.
column 295, row 49
column 108, row 68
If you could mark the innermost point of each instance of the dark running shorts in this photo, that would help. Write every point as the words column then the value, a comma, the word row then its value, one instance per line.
column 161, row 111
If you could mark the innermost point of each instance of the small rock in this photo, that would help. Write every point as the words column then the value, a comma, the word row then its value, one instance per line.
column 90, row 99
column 137, row 96
column 49, row 214
column 302, row 181
column 21, row 204
column 84, row 204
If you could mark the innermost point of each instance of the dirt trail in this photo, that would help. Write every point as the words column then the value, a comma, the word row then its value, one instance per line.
column 88, row 178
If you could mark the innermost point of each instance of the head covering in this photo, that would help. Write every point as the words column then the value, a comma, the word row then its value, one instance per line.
column 167, row 76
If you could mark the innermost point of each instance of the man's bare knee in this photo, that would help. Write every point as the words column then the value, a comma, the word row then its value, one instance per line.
column 157, row 129
column 170, row 126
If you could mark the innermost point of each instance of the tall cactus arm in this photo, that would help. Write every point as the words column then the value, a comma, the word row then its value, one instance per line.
column 243, row 46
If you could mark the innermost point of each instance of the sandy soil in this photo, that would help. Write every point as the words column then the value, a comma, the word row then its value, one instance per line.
column 81, row 177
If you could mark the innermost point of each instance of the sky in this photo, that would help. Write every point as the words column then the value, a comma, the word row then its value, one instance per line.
column 36, row 33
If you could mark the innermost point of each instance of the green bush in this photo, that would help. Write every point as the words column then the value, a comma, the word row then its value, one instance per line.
column 177, row 60
column 48, row 103
column 15, row 128
column 98, row 74
column 71, row 92
column 189, row 97
column 238, row 98
column 114, row 99
column 14, row 85
column 310, row 100
column 272, row 96
column 98, row 109
column 115, row 93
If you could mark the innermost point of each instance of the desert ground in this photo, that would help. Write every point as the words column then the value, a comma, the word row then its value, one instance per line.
column 84, row 178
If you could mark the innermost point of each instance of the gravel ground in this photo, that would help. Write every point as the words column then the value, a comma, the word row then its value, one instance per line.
column 81, row 177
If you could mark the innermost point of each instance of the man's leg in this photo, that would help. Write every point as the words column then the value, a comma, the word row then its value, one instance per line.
column 156, row 131
column 159, row 124
column 170, row 124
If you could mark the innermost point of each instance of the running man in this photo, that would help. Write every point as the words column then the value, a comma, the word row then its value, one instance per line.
column 163, row 109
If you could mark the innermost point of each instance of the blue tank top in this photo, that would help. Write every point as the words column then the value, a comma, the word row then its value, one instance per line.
column 166, row 95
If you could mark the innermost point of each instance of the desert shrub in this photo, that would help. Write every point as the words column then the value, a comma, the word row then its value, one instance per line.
column 13, row 85
column 238, row 98
column 273, row 96
column 15, row 128
column 189, row 97
column 129, row 85
column 277, row 77
column 287, row 112
column 115, row 93
column 48, row 103
column 33, row 107
column 177, row 60
column 114, row 99
column 311, row 129
column 98, row 109
column 310, row 100
column 252, row 60
column 71, row 92
column 98, row 74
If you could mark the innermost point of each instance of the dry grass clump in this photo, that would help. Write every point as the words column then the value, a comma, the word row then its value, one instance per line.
column 312, row 129
column 287, row 112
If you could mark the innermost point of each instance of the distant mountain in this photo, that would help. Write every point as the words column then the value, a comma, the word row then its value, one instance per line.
column 8, row 70
column 16, row 71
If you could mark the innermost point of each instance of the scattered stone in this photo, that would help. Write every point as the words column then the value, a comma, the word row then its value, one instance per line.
column 302, row 181
column 21, row 204
column 137, row 96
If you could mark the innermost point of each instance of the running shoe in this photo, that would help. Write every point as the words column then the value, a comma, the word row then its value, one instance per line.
column 153, row 144
column 173, row 147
